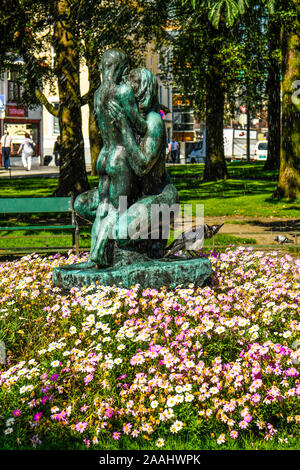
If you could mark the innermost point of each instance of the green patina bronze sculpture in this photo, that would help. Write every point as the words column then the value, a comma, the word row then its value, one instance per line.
column 131, row 165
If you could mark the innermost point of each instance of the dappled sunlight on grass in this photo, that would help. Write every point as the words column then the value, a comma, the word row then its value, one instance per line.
column 247, row 192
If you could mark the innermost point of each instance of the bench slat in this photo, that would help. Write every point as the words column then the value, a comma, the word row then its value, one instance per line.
column 32, row 204
column 38, row 227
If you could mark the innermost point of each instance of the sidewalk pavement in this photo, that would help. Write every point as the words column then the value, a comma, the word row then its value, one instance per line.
column 35, row 172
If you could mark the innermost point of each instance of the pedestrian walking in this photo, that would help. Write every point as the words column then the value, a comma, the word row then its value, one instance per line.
column 27, row 149
column 174, row 150
column 6, row 148
column 57, row 151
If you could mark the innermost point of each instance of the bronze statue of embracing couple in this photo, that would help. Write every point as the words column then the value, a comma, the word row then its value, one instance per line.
column 131, row 168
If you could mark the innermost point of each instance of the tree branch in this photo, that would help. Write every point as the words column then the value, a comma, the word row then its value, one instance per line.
column 43, row 100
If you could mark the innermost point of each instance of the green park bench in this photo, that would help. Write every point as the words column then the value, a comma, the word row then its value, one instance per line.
column 31, row 205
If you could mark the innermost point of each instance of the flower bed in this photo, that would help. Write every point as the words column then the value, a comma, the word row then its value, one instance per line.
column 93, row 366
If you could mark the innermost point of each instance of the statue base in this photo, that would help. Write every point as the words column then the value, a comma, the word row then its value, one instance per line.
column 153, row 273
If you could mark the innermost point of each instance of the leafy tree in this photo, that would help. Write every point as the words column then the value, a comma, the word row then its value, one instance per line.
column 289, row 173
column 77, row 30
column 130, row 25
column 250, row 90
column 209, row 57
column 274, row 91
column 32, row 28
column 289, row 13
column 199, row 69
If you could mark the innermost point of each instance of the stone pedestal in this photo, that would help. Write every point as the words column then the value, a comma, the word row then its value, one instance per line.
column 148, row 274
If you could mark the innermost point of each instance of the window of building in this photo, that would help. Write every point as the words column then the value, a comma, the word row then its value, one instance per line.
column 160, row 94
column 183, row 115
column 55, row 129
column 15, row 90
column 160, row 61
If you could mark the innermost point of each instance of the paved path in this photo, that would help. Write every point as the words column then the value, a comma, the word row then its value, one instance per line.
column 35, row 172
column 261, row 229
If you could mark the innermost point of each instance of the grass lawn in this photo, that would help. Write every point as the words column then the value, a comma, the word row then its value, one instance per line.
column 32, row 187
column 188, row 442
column 253, row 170
column 79, row 358
column 247, row 193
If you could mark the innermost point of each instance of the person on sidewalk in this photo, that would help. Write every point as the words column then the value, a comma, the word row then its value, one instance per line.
column 6, row 148
column 174, row 150
column 27, row 149
column 57, row 150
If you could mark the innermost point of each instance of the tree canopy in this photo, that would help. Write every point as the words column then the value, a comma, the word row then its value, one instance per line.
column 77, row 32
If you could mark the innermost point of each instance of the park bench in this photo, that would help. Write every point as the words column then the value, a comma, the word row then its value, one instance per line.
column 28, row 205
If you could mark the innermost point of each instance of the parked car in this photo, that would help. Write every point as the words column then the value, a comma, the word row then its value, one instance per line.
column 261, row 150
column 197, row 153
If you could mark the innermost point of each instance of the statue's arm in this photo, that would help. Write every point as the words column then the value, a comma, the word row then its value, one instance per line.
column 131, row 110
column 141, row 159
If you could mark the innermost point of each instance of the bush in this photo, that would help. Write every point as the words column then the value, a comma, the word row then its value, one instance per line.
column 104, row 366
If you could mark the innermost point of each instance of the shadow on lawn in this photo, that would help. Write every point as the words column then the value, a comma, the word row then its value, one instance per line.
column 224, row 190
column 236, row 170
column 279, row 225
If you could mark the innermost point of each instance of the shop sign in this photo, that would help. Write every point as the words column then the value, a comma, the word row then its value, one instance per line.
column 14, row 110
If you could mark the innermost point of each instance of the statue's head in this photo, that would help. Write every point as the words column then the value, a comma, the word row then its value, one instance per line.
column 145, row 87
column 113, row 65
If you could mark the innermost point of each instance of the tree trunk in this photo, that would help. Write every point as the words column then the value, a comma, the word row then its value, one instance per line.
column 72, row 176
column 215, row 165
column 274, row 99
column 92, row 61
column 274, row 118
column 289, row 174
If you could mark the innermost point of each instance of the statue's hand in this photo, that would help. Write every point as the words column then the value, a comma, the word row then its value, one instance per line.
column 117, row 113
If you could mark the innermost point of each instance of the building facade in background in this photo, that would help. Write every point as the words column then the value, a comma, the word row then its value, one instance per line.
column 153, row 63
column 17, row 119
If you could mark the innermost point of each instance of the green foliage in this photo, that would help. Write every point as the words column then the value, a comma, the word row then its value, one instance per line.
column 239, row 50
column 219, row 9
column 230, row 8
column 28, row 30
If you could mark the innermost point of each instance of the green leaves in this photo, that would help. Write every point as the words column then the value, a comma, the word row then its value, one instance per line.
column 222, row 10
column 270, row 4
column 214, row 13
column 227, row 9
